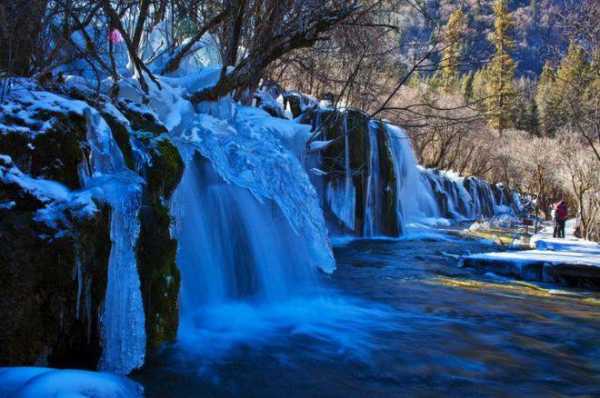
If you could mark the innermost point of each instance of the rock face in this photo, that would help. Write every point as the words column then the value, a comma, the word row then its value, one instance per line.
column 55, row 237
column 360, row 190
column 469, row 197
column 54, row 274
column 156, row 249
column 367, row 186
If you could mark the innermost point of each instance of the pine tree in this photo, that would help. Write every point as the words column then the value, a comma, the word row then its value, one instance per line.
column 527, row 117
column 573, row 72
column 574, row 80
column 558, row 91
column 533, row 119
column 452, row 53
column 547, row 101
column 501, row 71
column 534, row 10
column 467, row 87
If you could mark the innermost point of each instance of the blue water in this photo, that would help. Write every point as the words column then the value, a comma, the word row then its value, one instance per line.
column 397, row 318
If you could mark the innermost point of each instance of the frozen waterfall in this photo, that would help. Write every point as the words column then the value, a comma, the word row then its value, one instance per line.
column 372, row 185
column 122, row 319
column 247, row 218
column 231, row 245
column 415, row 200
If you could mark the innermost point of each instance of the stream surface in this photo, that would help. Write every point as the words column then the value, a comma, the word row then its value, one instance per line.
column 397, row 318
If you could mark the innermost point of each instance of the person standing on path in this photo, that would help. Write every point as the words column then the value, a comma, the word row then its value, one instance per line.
column 561, row 213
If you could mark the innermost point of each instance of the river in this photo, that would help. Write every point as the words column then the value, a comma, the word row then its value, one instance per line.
column 397, row 318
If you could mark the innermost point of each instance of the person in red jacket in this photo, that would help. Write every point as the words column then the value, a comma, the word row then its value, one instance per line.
column 561, row 212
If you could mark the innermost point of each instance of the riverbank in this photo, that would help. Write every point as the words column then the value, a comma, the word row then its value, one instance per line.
column 569, row 262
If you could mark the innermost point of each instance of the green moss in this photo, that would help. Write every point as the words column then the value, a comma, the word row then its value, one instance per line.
column 358, row 131
column 166, row 170
column 390, row 222
column 159, row 275
column 156, row 251
column 54, row 154
column 140, row 120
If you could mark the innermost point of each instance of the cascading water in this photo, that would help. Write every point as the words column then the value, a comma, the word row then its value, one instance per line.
column 122, row 319
column 247, row 218
column 373, row 197
column 483, row 199
column 342, row 197
column 363, row 196
column 415, row 200
column 251, row 236
column 231, row 245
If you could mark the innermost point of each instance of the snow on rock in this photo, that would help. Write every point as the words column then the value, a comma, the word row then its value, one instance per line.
column 35, row 382
column 543, row 240
column 56, row 199
column 521, row 258
column 30, row 111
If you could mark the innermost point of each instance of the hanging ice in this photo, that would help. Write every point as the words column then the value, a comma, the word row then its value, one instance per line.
column 122, row 319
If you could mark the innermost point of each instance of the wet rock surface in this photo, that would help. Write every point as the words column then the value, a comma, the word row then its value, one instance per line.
column 54, row 250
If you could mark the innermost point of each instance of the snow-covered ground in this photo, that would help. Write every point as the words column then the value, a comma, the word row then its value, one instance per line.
column 570, row 260
column 548, row 257
column 544, row 241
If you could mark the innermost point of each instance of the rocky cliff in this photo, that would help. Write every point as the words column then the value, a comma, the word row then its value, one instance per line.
column 56, row 231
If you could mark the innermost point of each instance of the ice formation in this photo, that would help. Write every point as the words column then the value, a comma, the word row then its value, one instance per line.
column 34, row 382
column 122, row 319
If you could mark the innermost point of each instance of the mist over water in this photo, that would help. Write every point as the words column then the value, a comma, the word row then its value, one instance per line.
column 246, row 279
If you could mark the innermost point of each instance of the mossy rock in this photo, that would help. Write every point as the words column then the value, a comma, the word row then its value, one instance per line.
column 120, row 133
column 166, row 169
column 53, row 154
column 159, row 275
column 79, row 346
column 141, row 117
column 41, row 324
column 331, row 124
column 358, row 131
column 294, row 101
column 390, row 224
column 156, row 250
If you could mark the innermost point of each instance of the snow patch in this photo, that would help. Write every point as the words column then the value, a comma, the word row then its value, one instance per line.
column 34, row 382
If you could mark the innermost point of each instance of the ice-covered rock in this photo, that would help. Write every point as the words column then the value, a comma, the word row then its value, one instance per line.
column 30, row 382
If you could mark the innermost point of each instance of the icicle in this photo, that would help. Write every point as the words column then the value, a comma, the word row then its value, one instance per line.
column 122, row 319
column 78, row 277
